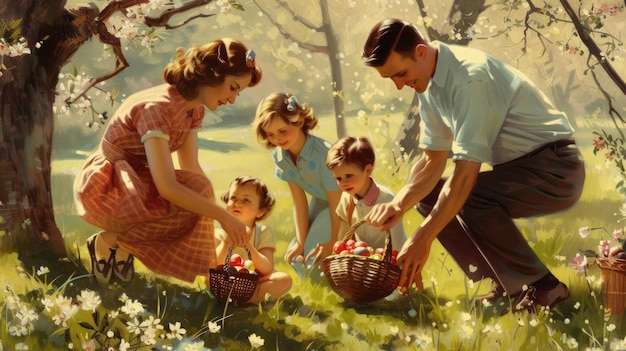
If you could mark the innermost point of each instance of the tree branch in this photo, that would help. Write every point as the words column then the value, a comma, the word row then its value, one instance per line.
column 103, row 34
column 583, row 33
column 296, row 17
column 118, row 6
column 613, row 112
column 281, row 29
column 163, row 20
column 527, row 26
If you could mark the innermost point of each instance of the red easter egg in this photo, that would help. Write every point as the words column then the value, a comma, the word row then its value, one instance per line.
column 339, row 246
column 236, row 260
column 350, row 244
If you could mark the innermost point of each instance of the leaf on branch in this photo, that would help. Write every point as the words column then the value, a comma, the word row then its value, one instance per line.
column 86, row 325
column 234, row 4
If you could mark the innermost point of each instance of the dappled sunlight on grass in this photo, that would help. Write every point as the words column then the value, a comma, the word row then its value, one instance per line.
column 444, row 316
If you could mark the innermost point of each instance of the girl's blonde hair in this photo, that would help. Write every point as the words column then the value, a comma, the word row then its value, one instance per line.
column 209, row 64
column 285, row 106
column 266, row 200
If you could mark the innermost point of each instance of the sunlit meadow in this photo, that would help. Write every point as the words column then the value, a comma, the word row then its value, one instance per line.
column 41, row 311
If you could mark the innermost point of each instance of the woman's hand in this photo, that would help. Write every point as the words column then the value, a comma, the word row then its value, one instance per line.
column 238, row 233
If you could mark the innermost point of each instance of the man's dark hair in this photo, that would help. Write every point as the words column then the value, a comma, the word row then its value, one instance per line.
column 387, row 35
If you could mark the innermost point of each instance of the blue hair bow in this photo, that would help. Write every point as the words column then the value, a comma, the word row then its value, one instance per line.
column 292, row 103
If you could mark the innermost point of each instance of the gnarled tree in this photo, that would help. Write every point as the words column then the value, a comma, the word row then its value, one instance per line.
column 43, row 35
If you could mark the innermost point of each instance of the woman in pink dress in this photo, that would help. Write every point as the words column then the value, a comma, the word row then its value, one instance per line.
column 130, row 188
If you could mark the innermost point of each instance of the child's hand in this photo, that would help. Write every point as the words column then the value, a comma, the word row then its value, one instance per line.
column 291, row 254
column 321, row 252
column 314, row 253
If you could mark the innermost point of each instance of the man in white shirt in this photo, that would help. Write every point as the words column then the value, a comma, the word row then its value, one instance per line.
column 479, row 110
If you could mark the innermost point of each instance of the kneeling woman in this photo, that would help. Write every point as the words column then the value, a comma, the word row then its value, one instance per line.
column 129, row 187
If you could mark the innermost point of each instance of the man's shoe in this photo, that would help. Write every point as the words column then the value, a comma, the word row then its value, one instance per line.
column 541, row 297
column 496, row 293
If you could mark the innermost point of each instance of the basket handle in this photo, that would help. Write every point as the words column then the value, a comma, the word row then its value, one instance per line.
column 230, row 252
column 388, row 248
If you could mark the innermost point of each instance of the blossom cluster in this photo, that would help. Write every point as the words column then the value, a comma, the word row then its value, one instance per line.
column 91, row 325
column 594, row 18
column 610, row 10
column 612, row 247
column 14, row 49
column 614, row 154
column 125, row 328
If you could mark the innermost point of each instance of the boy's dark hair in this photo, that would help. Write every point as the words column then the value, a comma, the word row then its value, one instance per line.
column 390, row 35
column 356, row 151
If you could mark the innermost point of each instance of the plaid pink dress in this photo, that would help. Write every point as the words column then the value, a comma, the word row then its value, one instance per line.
column 115, row 191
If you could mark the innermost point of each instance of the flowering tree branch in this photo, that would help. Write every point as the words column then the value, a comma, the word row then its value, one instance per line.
column 132, row 9
column 596, row 57
column 164, row 18
column 594, row 50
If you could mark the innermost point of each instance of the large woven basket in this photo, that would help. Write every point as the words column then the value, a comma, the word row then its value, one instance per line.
column 226, row 284
column 614, row 283
column 360, row 279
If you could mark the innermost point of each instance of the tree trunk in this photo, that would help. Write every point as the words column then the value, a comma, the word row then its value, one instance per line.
column 27, row 93
column 335, row 69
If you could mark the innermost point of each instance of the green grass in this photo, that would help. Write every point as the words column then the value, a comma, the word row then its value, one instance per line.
column 312, row 317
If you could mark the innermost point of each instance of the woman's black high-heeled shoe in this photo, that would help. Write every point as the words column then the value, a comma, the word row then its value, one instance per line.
column 101, row 269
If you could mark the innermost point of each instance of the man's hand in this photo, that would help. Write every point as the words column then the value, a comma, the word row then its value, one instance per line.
column 384, row 216
column 412, row 258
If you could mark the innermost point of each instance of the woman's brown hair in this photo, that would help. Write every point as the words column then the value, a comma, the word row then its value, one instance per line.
column 209, row 64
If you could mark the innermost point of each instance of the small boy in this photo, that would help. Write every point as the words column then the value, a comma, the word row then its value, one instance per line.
column 351, row 161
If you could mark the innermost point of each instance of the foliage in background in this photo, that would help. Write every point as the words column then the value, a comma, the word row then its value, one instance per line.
column 614, row 154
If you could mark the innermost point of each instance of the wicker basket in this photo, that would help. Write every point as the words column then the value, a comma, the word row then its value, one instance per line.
column 360, row 279
column 238, row 287
column 614, row 283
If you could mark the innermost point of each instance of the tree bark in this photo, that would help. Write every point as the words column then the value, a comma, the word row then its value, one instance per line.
column 332, row 42
column 27, row 93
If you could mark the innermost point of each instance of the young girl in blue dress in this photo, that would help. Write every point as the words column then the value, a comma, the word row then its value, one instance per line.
column 283, row 124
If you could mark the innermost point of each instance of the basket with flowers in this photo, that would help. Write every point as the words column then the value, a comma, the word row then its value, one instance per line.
column 611, row 258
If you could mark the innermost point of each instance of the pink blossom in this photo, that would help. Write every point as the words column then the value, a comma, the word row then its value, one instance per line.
column 584, row 232
column 598, row 143
column 579, row 263
column 604, row 248
column 609, row 157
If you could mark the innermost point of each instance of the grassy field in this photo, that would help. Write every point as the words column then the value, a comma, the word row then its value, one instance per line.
column 444, row 316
